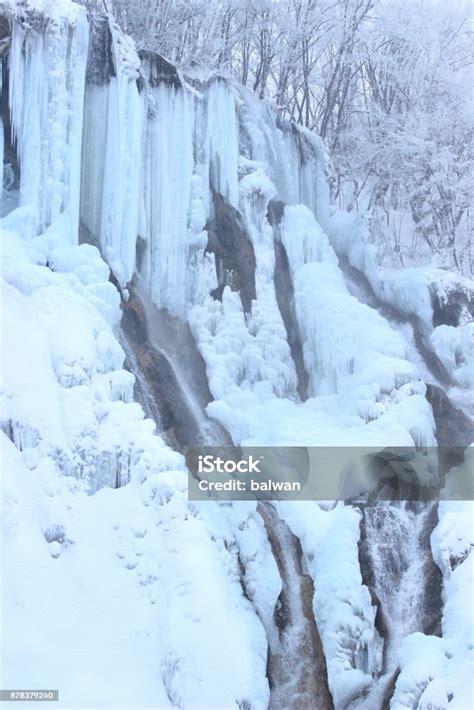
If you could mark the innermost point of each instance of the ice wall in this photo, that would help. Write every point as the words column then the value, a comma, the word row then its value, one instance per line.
column 47, row 62
column 168, row 171
column 216, row 139
column 147, row 205
column 190, row 148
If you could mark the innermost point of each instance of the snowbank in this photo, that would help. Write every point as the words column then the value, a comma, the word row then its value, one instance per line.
column 70, row 428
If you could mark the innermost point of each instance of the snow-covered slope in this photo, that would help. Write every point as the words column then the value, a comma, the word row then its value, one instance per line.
column 189, row 192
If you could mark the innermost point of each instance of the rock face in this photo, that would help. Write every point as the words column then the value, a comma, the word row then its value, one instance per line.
column 233, row 250
column 100, row 62
column 159, row 70
column 432, row 607
column 450, row 309
column 11, row 167
column 177, row 398
column 454, row 429
column 285, row 297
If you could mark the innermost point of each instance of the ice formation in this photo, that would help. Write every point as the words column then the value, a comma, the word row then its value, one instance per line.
column 46, row 74
column 125, row 164
column 111, row 153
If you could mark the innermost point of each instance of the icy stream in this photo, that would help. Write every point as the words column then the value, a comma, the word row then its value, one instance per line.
column 297, row 667
column 398, row 567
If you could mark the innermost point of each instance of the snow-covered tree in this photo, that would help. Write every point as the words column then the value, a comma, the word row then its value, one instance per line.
column 386, row 85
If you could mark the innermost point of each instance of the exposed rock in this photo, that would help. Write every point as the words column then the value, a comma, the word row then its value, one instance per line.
column 5, row 35
column 285, row 297
column 275, row 211
column 159, row 70
column 449, row 309
column 100, row 62
column 235, row 257
column 433, row 602
column 368, row 577
column 140, row 251
column 174, row 414
column 454, row 429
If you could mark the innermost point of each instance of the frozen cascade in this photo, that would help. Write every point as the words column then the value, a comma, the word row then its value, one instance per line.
column 46, row 74
column 426, row 362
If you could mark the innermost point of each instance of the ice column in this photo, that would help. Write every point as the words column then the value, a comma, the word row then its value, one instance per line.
column 168, row 170
column 113, row 126
column 222, row 140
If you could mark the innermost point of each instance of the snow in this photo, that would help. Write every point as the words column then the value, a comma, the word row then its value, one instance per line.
column 133, row 541
column 144, row 606
column 56, row 10
column 72, row 361
column 411, row 291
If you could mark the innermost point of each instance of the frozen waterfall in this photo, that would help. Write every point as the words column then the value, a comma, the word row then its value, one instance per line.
column 174, row 274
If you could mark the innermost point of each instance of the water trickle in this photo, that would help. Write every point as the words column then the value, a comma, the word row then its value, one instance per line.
column 405, row 583
column 171, row 375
